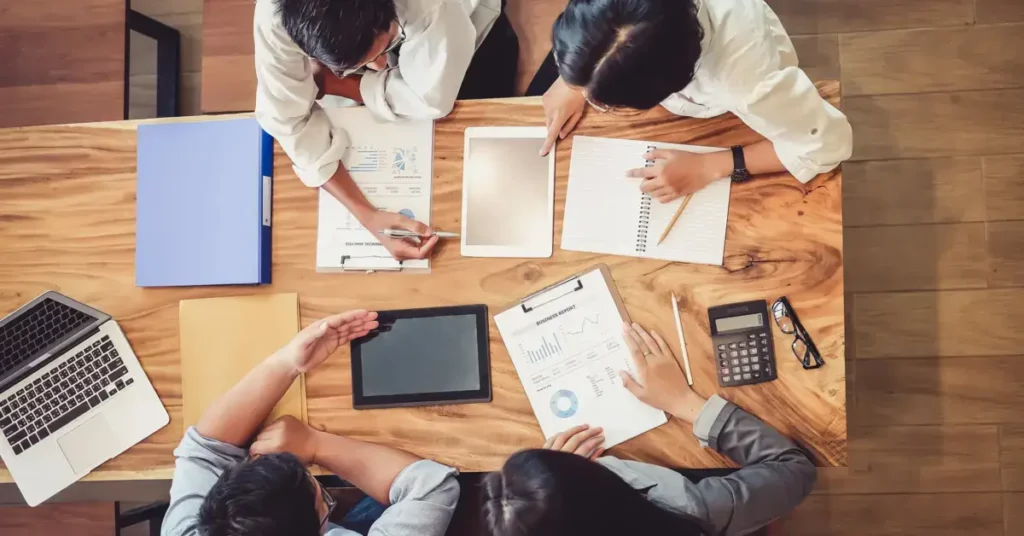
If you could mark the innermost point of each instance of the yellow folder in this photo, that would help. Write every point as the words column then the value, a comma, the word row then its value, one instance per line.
column 222, row 339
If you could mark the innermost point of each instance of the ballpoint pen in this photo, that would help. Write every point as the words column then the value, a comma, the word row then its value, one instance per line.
column 402, row 233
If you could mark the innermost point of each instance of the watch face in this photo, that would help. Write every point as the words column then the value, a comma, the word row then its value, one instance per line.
column 740, row 175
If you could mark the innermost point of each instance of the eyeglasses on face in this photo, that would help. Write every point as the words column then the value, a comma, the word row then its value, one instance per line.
column 328, row 500
column 396, row 41
column 621, row 111
column 803, row 347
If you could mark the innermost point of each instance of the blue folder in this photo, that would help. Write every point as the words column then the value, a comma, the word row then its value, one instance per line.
column 203, row 204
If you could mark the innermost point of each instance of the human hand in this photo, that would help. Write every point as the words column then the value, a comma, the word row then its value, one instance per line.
column 322, row 338
column 563, row 108
column 582, row 440
column 659, row 381
column 287, row 434
column 401, row 248
column 678, row 173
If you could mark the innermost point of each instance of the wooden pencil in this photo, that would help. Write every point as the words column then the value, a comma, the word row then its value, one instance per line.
column 668, row 228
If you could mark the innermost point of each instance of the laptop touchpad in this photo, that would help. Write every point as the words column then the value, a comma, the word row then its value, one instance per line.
column 87, row 445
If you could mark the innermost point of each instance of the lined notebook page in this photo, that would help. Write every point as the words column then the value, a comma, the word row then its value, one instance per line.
column 603, row 207
column 699, row 234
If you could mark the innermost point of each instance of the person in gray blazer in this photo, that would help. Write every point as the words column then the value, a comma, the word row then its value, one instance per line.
column 569, row 487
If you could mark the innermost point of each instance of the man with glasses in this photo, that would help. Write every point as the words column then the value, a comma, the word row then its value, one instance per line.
column 403, row 59
column 222, row 488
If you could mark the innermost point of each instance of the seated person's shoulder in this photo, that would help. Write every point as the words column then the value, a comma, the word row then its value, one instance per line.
column 742, row 47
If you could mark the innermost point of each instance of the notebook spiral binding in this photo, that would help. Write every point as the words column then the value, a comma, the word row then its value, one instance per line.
column 645, row 213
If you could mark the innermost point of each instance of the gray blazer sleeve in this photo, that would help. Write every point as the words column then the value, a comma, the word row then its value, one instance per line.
column 775, row 475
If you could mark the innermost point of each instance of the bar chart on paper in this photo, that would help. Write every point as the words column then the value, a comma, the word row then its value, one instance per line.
column 568, row 354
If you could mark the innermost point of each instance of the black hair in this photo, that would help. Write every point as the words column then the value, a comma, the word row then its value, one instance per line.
column 550, row 493
column 628, row 53
column 337, row 33
column 270, row 495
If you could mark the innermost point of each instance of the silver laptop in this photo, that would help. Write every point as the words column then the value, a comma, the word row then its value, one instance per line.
column 72, row 394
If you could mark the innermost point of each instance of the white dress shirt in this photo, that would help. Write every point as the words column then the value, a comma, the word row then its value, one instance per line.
column 748, row 67
column 420, row 83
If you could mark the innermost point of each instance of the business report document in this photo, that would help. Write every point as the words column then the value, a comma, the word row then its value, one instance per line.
column 568, row 351
column 605, row 211
column 392, row 165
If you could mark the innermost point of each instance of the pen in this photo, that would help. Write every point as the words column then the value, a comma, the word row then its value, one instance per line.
column 402, row 233
column 682, row 342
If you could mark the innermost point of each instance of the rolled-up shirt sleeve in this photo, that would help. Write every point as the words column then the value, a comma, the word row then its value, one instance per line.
column 810, row 135
column 286, row 104
column 431, row 66
column 423, row 499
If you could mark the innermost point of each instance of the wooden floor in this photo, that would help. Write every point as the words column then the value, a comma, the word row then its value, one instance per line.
column 934, row 214
column 934, row 199
column 78, row 519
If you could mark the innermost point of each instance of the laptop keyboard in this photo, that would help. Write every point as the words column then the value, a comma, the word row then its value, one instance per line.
column 35, row 330
column 52, row 401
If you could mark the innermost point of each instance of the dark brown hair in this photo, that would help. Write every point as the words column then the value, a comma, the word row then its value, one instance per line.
column 549, row 493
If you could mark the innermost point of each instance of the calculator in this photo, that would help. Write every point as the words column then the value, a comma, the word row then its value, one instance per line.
column 742, row 340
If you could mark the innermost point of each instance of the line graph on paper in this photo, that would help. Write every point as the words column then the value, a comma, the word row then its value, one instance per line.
column 585, row 323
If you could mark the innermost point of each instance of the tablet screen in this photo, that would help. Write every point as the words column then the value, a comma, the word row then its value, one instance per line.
column 507, row 193
column 423, row 356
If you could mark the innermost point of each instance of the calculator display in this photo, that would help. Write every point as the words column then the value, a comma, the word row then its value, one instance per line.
column 734, row 323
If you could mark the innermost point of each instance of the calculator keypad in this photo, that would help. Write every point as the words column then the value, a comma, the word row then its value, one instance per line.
column 745, row 359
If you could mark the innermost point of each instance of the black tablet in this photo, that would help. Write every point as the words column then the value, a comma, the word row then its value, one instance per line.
column 420, row 357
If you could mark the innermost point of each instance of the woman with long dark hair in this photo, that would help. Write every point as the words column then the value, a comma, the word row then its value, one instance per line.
column 697, row 58
column 568, row 488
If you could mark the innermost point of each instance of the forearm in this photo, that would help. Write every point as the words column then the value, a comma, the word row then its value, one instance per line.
column 760, row 158
column 775, row 474
column 235, row 417
column 370, row 467
column 342, row 187
column 743, row 437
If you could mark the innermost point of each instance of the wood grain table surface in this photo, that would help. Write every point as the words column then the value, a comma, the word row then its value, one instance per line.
column 67, row 222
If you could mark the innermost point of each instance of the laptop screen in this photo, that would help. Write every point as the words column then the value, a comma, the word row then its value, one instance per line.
column 36, row 330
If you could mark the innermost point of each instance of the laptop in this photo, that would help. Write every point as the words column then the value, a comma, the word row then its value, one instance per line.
column 72, row 394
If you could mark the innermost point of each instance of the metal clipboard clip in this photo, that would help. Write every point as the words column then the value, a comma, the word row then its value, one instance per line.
column 370, row 264
column 551, row 293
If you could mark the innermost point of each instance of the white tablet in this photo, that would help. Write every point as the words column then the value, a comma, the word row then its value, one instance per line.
column 508, row 193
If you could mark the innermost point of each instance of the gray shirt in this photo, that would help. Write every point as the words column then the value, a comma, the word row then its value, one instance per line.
column 423, row 496
column 776, row 475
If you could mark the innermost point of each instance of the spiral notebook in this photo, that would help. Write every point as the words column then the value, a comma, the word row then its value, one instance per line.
column 605, row 211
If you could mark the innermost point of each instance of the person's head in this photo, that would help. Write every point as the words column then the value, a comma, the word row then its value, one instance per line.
column 628, row 53
column 343, row 34
column 271, row 495
column 551, row 493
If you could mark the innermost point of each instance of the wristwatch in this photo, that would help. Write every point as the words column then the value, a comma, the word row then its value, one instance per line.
column 739, row 165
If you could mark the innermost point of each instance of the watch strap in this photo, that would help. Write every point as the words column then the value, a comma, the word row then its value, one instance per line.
column 739, row 165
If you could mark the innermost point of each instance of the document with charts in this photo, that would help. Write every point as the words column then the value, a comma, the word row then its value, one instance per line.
column 605, row 212
column 567, row 345
column 392, row 164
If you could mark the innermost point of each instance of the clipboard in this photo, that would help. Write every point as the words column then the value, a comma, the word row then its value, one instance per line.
column 567, row 345
column 570, row 285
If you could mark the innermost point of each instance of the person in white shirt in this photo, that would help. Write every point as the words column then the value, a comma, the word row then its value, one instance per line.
column 403, row 59
column 697, row 58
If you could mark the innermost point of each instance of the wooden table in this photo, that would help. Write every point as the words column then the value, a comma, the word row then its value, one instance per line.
column 67, row 222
